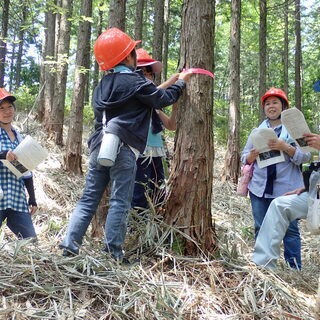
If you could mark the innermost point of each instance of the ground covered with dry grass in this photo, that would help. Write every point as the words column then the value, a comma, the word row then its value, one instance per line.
column 36, row 282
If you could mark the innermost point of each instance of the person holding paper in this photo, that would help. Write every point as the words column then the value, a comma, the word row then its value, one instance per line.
column 13, row 203
column 150, row 171
column 274, row 180
column 122, row 102
column 281, row 212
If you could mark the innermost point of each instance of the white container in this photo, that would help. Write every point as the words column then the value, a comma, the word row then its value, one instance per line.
column 108, row 150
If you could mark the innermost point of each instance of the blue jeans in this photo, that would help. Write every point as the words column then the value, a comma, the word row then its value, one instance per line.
column 149, row 177
column 291, row 241
column 19, row 223
column 122, row 176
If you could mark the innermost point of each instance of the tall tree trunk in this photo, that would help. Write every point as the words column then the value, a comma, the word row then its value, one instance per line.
column 158, row 34
column 21, row 44
column 117, row 14
column 95, row 75
column 12, row 64
column 55, row 127
column 138, row 26
column 262, row 52
column 190, row 183
column 73, row 156
column 232, row 158
column 298, row 56
column 3, row 39
column 40, row 111
column 164, row 72
column 49, row 63
column 286, row 49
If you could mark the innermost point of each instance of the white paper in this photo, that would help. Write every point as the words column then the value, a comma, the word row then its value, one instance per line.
column 296, row 125
column 266, row 157
column 29, row 154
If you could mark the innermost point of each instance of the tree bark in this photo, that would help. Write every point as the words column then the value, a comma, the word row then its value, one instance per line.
column 49, row 63
column 117, row 14
column 232, row 158
column 95, row 76
column 298, row 57
column 20, row 48
column 262, row 52
column 3, row 38
column 73, row 156
column 138, row 26
column 12, row 64
column 164, row 72
column 158, row 34
column 55, row 127
column 190, row 184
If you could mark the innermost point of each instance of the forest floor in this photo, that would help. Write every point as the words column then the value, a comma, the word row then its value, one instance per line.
column 36, row 282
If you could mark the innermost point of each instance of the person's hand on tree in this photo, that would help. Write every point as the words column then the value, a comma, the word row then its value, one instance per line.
column 313, row 140
column 173, row 78
column 185, row 76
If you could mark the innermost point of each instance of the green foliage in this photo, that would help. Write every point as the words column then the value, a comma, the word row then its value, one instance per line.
column 25, row 98
column 247, row 233
column 88, row 115
column 178, row 245
column 220, row 121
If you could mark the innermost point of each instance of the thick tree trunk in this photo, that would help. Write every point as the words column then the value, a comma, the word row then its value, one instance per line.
column 55, row 127
column 158, row 34
column 298, row 57
column 49, row 63
column 3, row 38
column 189, row 199
column 73, row 156
column 262, row 52
column 117, row 14
column 138, row 26
column 232, row 158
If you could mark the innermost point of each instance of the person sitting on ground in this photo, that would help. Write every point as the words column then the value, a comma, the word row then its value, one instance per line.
column 282, row 211
column 150, row 170
column 274, row 180
column 13, row 201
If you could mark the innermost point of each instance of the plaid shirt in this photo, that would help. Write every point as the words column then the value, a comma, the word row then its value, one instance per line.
column 13, row 188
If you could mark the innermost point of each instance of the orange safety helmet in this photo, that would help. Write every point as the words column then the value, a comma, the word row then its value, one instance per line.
column 144, row 60
column 111, row 47
column 275, row 92
column 6, row 95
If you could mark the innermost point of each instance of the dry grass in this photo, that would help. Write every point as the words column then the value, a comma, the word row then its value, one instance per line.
column 36, row 282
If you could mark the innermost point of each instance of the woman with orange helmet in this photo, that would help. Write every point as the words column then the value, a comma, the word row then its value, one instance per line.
column 122, row 103
column 276, row 179
column 14, row 206
column 150, row 171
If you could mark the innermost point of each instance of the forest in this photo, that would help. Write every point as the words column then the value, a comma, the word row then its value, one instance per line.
column 195, row 253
